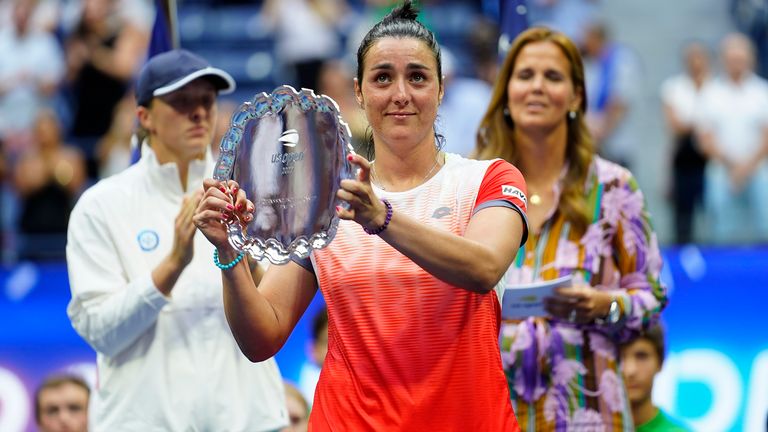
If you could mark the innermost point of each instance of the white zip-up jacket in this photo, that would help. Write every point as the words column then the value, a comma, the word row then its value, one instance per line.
column 164, row 363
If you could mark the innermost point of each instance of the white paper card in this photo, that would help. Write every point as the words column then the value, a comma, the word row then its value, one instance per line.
column 526, row 300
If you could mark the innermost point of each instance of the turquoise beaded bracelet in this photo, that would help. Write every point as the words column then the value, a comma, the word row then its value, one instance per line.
column 226, row 266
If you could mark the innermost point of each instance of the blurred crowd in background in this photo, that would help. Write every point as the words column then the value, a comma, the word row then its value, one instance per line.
column 671, row 91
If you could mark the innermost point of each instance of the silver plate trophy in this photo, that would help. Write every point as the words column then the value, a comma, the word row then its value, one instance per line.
column 288, row 151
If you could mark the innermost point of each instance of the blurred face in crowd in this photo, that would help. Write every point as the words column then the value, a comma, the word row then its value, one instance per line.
column 96, row 10
column 594, row 40
column 738, row 56
column 181, row 124
column 22, row 12
column 400, row 89
column 320, row 347
column 334, row 80
column 540, row 91
column 63, row 408
column 298, row 411
column 696, row 59
column 640, row 364
column 47, row 131
column 297, row 415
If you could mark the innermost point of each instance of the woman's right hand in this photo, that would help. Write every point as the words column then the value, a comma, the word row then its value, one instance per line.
column 364, row 207
column 221, row 201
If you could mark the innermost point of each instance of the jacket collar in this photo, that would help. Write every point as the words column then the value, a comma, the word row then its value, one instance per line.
column 164, row 178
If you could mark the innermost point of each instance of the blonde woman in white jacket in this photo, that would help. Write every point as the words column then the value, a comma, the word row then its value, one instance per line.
column 145, row 292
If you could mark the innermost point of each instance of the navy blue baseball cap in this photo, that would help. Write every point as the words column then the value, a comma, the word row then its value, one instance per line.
column 172, row 70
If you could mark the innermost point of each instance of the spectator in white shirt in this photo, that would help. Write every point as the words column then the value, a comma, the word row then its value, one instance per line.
column 31, row 69
column 681, row 100
column 734, row 137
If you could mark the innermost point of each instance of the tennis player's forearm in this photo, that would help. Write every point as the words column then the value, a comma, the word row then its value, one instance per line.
column 252, row 319
column 459, row 261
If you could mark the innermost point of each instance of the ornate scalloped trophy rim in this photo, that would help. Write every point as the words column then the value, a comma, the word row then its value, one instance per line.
column 263, row 104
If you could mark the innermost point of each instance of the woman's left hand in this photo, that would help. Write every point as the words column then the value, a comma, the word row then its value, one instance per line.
column 365, row 207
column 580, row 304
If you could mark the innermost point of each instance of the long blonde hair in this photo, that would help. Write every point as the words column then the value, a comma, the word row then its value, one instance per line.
column 496, row 140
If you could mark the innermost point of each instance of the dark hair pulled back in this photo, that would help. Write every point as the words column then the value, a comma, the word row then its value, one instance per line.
column 401, row 22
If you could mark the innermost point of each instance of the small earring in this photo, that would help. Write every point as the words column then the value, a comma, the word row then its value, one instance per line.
column 508, row 117
column 572, row 115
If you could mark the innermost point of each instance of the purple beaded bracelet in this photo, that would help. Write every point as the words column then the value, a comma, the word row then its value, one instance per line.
column 386, row 220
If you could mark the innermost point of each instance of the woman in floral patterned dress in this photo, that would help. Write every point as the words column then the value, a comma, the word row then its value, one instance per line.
column 587, row 218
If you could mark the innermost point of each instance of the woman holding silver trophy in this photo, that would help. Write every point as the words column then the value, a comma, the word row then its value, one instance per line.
column 411, row 278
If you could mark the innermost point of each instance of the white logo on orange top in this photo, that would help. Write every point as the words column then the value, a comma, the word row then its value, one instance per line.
column 515, row 192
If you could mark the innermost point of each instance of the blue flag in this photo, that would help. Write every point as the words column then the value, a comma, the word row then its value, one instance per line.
column 160, row 42
column 513, row 15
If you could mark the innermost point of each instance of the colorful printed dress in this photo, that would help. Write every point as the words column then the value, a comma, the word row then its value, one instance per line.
column 563, row 376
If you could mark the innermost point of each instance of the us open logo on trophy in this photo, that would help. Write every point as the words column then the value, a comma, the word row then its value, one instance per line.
column 289, row 139
column 288, row 151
